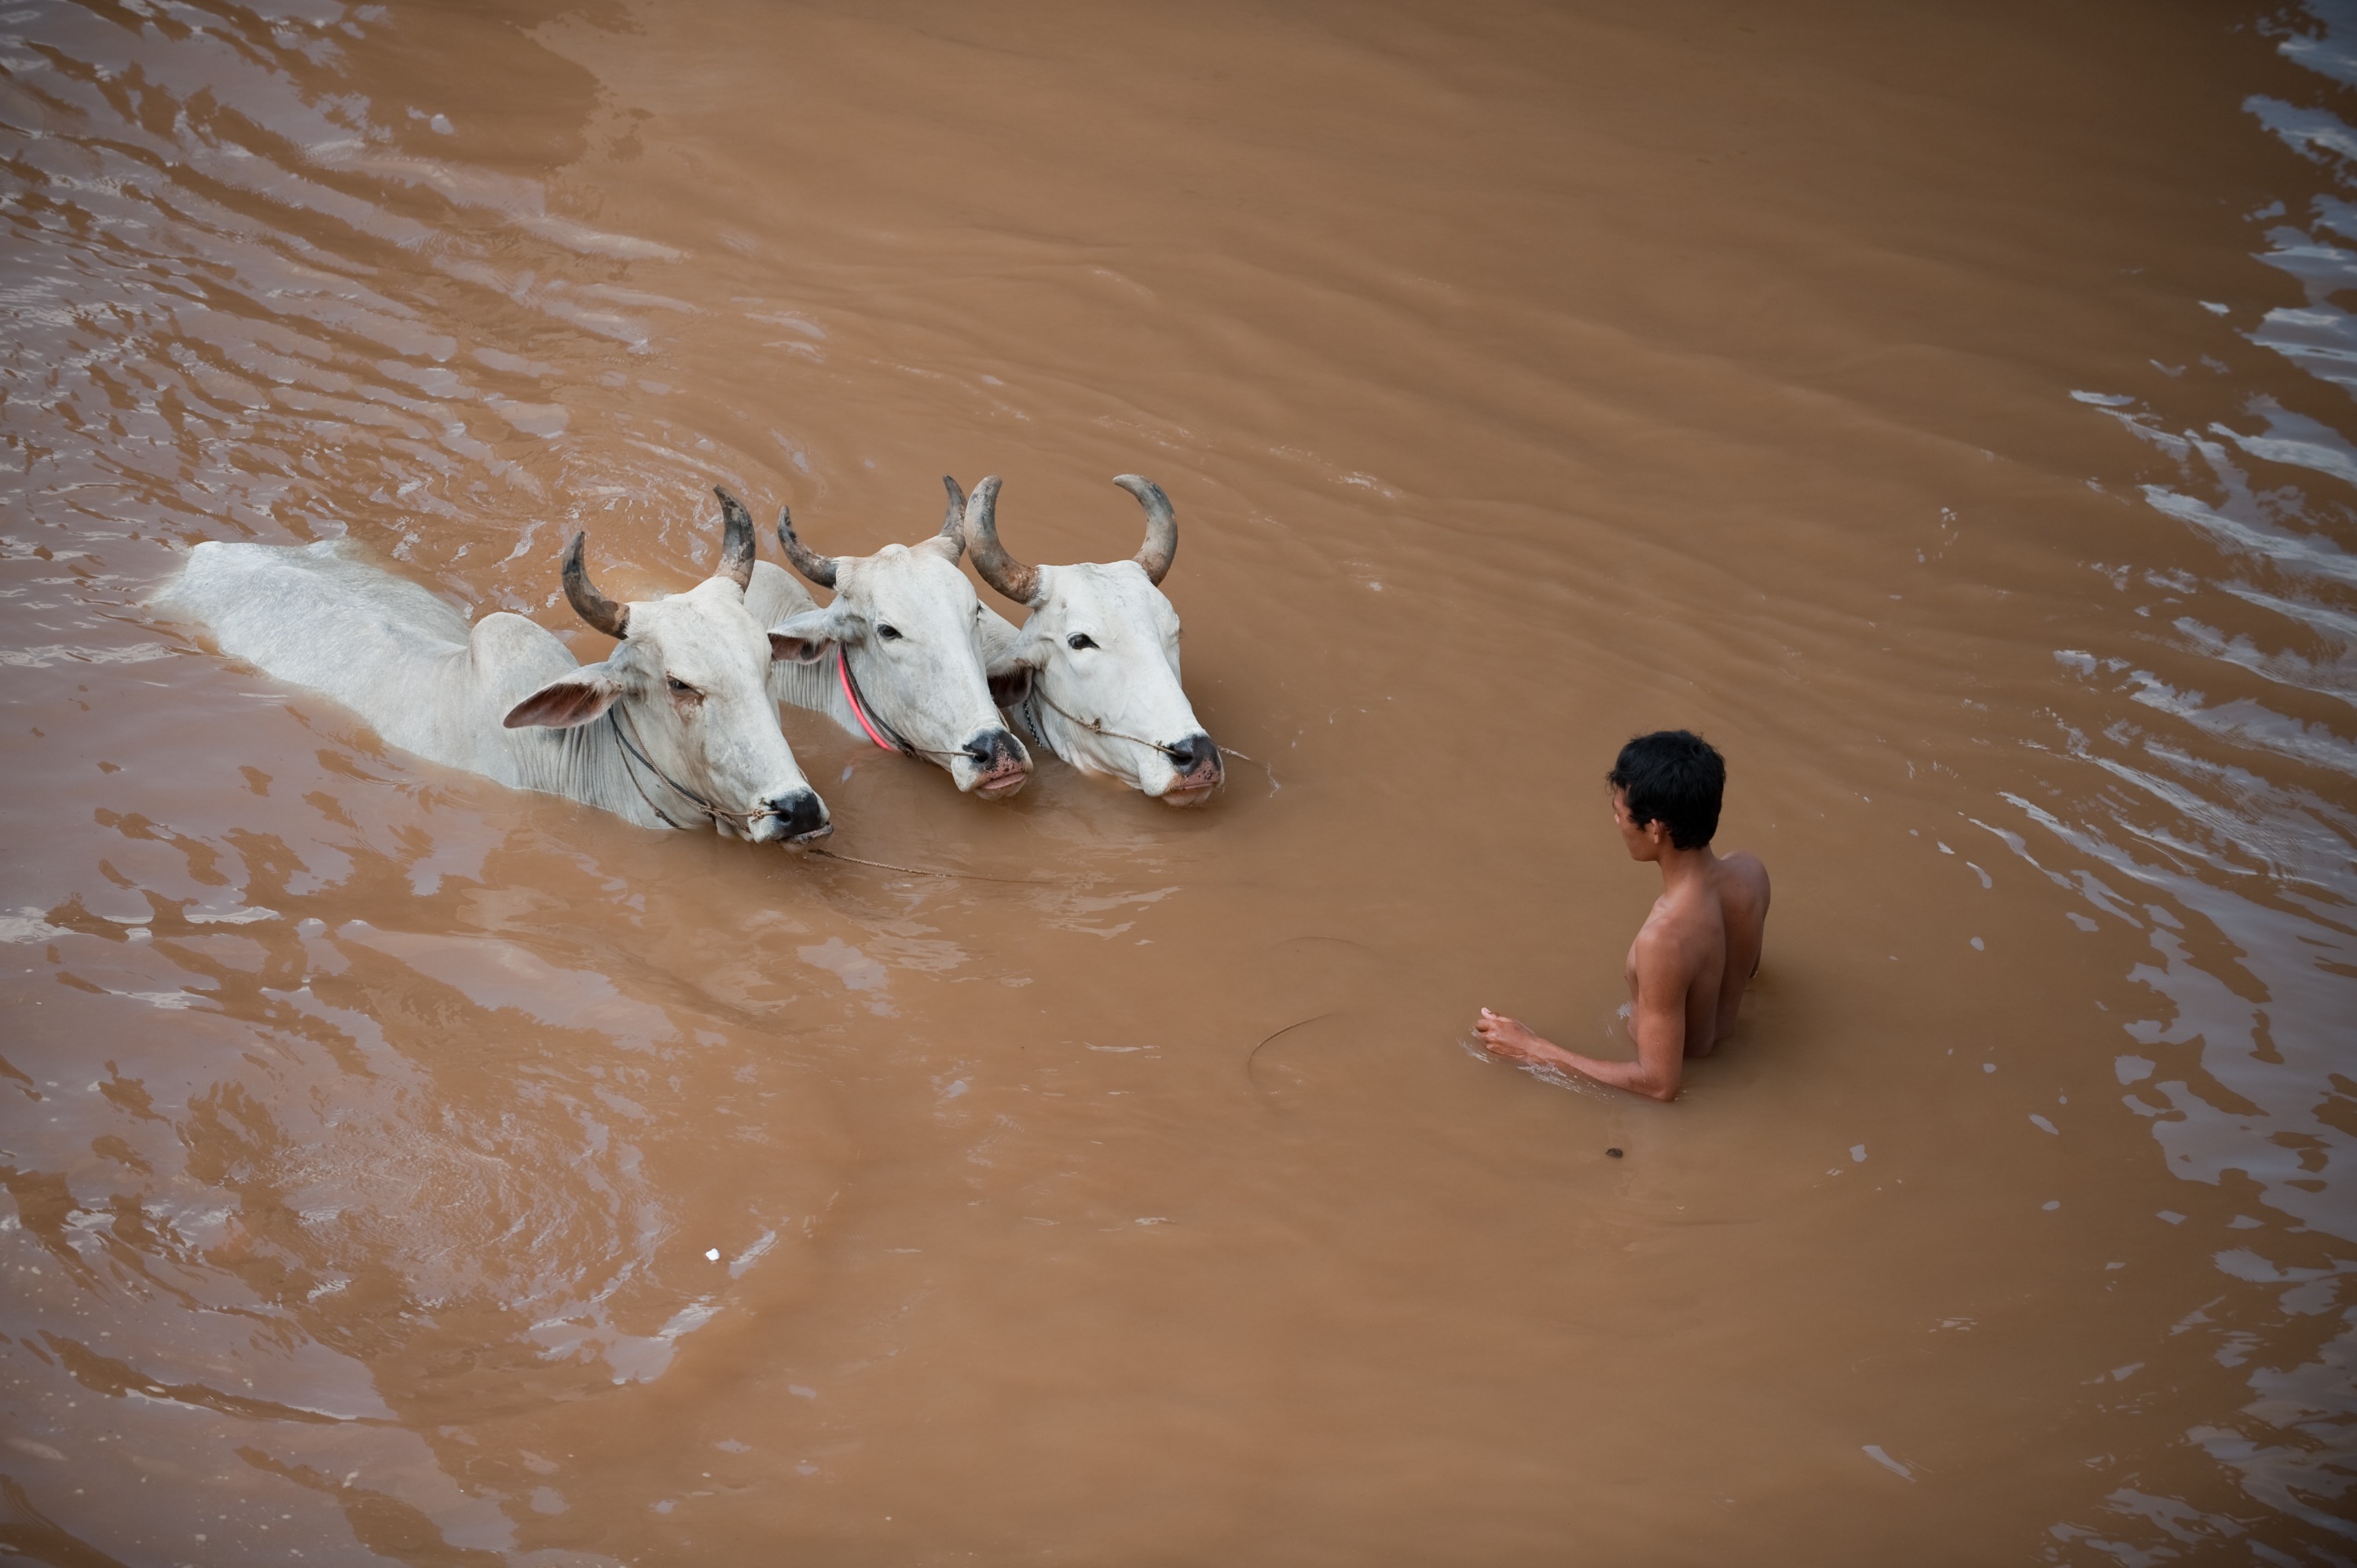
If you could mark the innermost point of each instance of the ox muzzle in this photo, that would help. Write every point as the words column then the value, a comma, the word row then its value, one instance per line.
column 1001, row 765
column 798, row 816
column 1199, row 770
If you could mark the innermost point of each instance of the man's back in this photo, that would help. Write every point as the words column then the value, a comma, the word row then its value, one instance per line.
column 1740, row 883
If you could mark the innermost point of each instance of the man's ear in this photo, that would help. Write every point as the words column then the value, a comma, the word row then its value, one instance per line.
column 805, row 639
column 574, row 698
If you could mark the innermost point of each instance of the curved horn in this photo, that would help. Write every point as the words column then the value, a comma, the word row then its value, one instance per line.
column 736, row 540
column 591, row 606
column 818, row 568
column 953, row 532
column 1000, row 570
column 1161, row 547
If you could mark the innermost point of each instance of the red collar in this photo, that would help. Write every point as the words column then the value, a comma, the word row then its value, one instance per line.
column 877, row 729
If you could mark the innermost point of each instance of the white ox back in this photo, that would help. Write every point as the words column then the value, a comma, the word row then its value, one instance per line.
column 507, row 700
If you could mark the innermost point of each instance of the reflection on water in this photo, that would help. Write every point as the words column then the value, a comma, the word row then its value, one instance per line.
column 403, row 1169
column 2227, row 839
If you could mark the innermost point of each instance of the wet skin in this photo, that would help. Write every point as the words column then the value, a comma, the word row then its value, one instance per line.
column 1686, row 969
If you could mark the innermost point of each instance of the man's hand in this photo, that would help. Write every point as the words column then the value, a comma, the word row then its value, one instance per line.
column 1512, row 1039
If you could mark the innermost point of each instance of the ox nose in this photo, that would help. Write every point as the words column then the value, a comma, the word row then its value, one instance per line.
column 801, row 814
column 1002, row 763
column 1193, row 752
column 1197, row 756
column 1200, row 770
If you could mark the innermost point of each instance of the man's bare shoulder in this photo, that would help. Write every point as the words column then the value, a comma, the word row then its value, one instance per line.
column 1681, row 932
column 1745, row 875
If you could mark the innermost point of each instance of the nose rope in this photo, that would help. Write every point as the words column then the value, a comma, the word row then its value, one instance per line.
column 1092, row 727
column 924, row 871
column 630, row 749
column 872, row 721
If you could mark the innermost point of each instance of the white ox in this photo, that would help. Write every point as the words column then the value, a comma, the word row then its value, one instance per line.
column 897, row 656
column 674, row 728
column 1094, row 672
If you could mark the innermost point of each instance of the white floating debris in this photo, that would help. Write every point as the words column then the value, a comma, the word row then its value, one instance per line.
column 712, row 1255
column 1874, row 1452
column 1857, row 1153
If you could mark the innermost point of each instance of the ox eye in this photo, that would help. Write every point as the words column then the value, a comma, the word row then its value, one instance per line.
column 680, row 688
column 888, row 633
column 1078, row 640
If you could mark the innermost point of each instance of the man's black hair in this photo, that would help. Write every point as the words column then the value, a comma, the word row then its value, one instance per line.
column 1675, row 778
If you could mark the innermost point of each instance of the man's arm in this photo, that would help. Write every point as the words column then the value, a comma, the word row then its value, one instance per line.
column 1658, row 1025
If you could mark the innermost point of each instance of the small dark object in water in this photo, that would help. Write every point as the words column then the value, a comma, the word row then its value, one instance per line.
column 1612, row 1154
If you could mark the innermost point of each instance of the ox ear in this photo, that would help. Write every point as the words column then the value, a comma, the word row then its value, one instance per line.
column 574, row 698
column 1012, row 689
column 1010, row 673
column 805, row 639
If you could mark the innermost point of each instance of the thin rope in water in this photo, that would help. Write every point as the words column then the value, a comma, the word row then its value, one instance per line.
column 1296, row 1024
column 923, row 871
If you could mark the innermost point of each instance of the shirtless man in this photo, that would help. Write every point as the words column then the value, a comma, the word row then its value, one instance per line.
column 1689, row 963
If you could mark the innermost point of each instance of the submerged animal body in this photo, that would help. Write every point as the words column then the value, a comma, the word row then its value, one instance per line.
column 674, row 728
column 897, row 656
column 1094, row 672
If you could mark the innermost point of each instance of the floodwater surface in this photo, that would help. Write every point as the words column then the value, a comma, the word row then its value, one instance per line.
column 1946, row 411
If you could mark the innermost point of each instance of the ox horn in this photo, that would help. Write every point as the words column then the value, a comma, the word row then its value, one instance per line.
column 736, row 540
column 1161, row 547
column 1000, row 570
column 953, row 532
column 600, row 612
column 818, row 568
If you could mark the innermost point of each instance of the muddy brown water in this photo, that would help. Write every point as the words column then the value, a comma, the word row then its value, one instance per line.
column 1946, row 410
